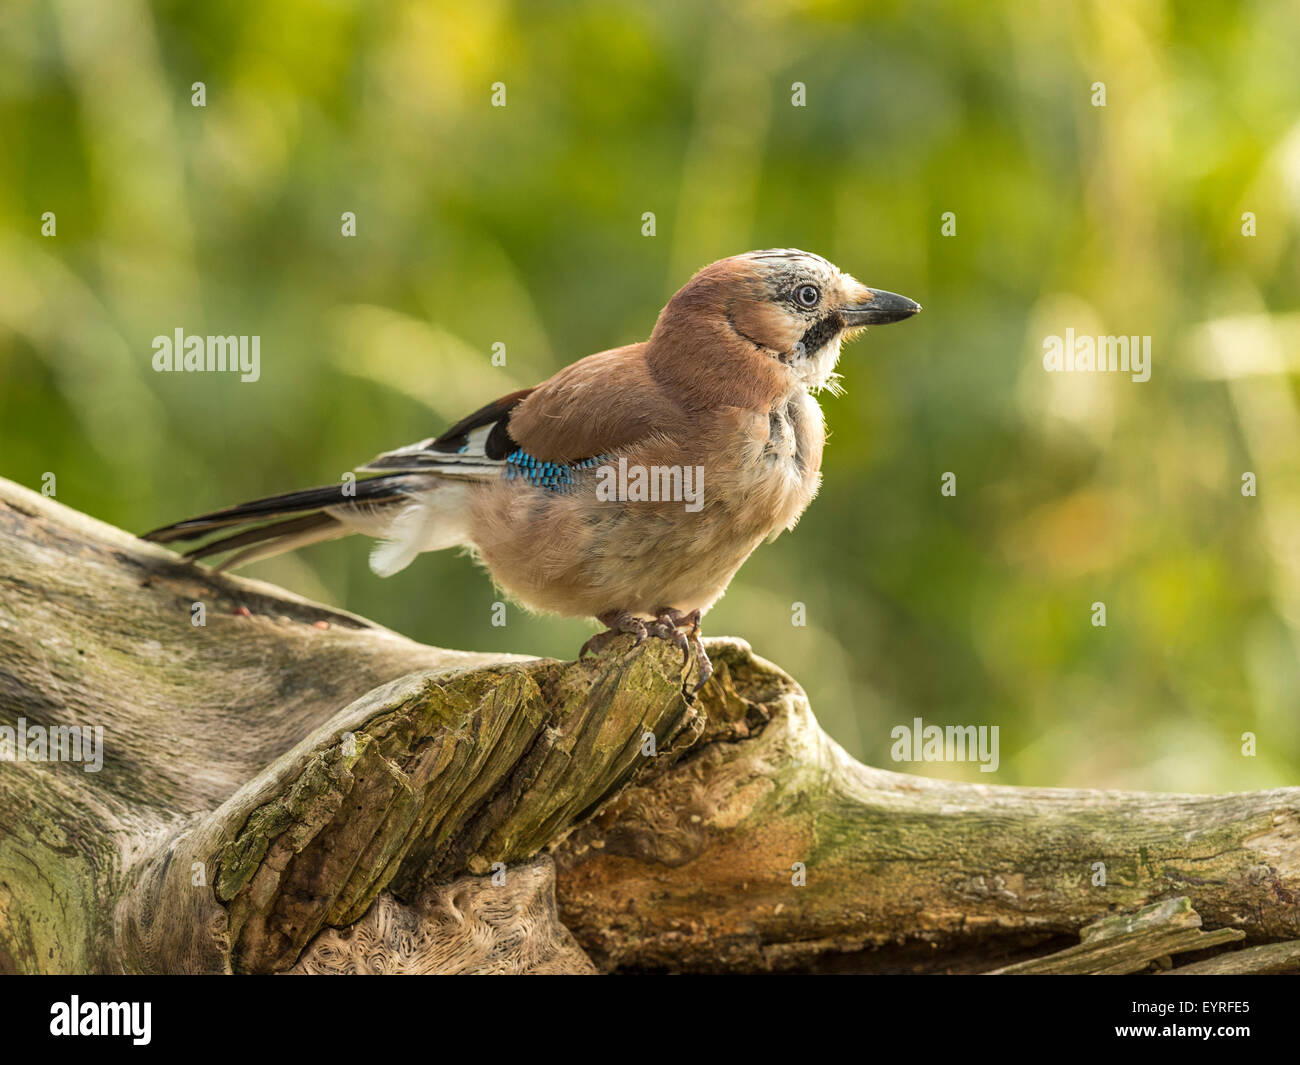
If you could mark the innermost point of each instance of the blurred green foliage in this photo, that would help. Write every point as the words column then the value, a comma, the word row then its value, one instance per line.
column 522, row 225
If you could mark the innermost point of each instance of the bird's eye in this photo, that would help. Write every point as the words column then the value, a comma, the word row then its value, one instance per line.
column 807, row 295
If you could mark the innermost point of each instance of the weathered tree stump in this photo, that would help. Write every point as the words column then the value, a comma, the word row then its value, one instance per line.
column 290, row 788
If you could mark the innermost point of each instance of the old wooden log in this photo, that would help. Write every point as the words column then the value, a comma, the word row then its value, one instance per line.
column 288, row 787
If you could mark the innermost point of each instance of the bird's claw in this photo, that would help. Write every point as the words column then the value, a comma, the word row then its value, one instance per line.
column 667, row 626
column 672, row 622
column 701, row 655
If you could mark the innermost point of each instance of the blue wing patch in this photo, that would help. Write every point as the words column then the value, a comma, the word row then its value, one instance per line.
column 552, row 476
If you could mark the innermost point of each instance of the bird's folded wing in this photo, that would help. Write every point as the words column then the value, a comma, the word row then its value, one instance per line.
column 474, row 447
column 593, row 407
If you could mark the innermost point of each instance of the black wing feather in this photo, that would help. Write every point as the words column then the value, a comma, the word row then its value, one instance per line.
column 499, row 442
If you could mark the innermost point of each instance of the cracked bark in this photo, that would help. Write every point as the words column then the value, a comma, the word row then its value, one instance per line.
column 292, row 788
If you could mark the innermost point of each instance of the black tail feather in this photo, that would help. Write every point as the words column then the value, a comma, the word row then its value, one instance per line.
column 275, row 531
column 388, row 488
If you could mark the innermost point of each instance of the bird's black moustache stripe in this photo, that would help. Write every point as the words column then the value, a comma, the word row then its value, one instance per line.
column 821, row 331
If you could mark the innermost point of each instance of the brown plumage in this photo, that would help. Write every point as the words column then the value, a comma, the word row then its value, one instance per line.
column 721, row 393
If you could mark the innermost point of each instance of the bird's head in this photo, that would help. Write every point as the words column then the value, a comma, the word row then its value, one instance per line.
column 786, row 304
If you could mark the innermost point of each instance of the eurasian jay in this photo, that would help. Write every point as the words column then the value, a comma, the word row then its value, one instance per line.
column 630, row 486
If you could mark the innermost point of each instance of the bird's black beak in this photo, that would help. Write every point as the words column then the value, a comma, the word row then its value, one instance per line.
column 879, row 308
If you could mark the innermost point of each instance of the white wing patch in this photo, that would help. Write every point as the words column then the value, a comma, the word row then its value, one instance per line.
column 471, row 461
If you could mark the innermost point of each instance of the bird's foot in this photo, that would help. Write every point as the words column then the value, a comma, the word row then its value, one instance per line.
column 668, row 625
column 617, row 623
